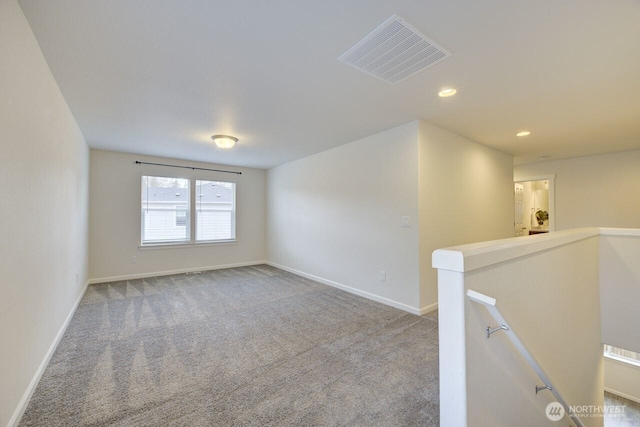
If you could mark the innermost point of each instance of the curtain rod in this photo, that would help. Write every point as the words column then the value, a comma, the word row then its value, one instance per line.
column 186, row 167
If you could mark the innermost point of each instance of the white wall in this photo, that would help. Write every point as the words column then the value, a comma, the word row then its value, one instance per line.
column 466, row 196
column 44, row 170
column 597, row 191
column 619, row 296
column 622, row 379
column 620, row 288
column 337, row 215
column 547, row 290
column 602, row 191
column 115, row 219
column 551, row 302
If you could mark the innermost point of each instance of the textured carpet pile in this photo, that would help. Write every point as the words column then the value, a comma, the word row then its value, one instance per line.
column 244, row 346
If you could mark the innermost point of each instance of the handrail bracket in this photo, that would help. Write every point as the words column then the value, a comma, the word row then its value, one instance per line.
column 546, row 387
column 491, row 330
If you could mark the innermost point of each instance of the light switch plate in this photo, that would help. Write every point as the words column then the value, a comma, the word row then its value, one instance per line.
column 406, row 221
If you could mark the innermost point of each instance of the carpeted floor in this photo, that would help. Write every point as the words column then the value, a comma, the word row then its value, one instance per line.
column 244, row 346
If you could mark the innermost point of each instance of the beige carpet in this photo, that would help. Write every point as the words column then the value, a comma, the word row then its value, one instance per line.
column 246, row 346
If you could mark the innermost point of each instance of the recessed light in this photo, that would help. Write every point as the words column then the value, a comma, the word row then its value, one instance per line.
column 447, row 92
column 224, row 141
column 523, row 133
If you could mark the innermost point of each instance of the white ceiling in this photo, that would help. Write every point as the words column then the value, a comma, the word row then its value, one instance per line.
column 159, row 77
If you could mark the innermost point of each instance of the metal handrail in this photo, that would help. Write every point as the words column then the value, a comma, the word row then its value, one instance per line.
column 490, row 304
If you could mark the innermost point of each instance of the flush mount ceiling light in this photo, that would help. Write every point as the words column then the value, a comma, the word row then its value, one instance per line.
column 523, row 133
column 447, row 92
column 224, row 141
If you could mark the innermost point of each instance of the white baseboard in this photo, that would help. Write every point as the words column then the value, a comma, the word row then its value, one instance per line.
column 26, row 397
column 621, row 394
column 170, row 272
column 428, row 308
column 365, row 294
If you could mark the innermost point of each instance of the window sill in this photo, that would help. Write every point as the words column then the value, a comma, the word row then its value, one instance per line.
column 154, row 246
column 623, row 361
column 216, row 242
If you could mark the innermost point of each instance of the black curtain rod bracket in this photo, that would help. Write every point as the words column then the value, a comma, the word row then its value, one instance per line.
column 186, row 167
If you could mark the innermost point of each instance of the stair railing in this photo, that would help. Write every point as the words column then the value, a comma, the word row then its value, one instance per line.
column 503, row 325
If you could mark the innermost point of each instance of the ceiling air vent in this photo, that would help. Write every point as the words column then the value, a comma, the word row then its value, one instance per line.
column 394, row 51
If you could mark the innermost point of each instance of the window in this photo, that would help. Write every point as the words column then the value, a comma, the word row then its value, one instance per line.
column 167, row 204
column 215, row 211
column 165, row 210
column 622, row 355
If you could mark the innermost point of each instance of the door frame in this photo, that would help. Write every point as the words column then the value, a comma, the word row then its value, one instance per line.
column 552, row 194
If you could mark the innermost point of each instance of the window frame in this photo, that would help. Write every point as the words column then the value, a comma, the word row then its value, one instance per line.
column 191, row 217
column 189, row 223
column 619, row 358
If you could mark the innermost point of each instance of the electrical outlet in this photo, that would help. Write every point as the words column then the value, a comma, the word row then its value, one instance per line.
column 383, row 276
column 134, row 260
column 406, row 221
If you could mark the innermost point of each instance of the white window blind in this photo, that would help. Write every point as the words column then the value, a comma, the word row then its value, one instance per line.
column 165, row 210
column 215, row 210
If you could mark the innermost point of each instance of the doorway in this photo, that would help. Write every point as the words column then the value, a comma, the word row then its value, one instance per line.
column 534, row 209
